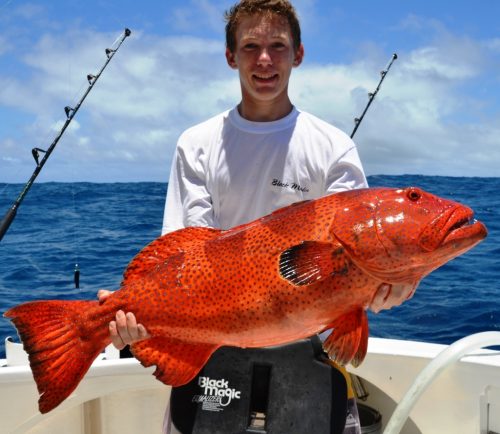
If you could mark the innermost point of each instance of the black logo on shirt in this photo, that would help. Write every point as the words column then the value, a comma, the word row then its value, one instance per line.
column 294, row 186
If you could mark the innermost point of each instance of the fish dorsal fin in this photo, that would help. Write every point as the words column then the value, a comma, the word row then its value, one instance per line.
column 312, row 261
column 163, row 247
column 348, row 341
column 177, row 362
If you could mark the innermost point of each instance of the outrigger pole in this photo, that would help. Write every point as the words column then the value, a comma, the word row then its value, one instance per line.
column 371, row 95
column 70, row 114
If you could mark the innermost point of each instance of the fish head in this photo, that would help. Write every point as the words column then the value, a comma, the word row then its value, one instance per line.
column 401, row 235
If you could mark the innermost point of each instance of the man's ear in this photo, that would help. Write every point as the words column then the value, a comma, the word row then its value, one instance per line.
column 231, row 61
column 299, row 56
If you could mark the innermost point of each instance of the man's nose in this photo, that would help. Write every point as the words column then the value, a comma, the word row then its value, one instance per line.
column 264, row 57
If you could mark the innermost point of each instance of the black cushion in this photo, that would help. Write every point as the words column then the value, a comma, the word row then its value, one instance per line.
column 276, row 390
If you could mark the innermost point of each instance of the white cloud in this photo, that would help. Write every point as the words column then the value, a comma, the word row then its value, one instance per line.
column 10, row 159
column 153, row 89
column 156, row 86
column 430, row 61
column 415, row 124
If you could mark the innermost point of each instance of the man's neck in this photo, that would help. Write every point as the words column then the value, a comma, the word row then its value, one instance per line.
column 264, row 111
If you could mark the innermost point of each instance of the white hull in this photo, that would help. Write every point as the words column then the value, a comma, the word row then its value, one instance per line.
column 120, row 396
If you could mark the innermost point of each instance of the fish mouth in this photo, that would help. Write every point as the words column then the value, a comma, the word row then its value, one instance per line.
column 455, row 228
column 462, row 226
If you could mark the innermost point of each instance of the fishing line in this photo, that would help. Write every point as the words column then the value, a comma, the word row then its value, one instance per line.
column 76, row 271
column 76, row 238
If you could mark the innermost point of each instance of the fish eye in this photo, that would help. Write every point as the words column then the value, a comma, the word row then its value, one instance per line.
column 414, row 194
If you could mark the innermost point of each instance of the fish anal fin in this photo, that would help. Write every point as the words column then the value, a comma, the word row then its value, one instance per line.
column 348, row 341
column 177, row 362
column 312, row 261
column 164, row 247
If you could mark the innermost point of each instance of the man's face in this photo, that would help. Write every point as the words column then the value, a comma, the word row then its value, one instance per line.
column 264, row 57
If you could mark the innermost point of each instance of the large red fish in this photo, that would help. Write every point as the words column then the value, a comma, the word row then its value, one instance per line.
column 303, row 269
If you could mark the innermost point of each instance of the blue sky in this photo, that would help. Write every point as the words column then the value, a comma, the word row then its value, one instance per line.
column 438, row 111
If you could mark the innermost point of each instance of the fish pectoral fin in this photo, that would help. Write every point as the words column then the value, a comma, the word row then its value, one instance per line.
column 312, row 261
column 348, row 341
column 159, row 250
column 177, row 362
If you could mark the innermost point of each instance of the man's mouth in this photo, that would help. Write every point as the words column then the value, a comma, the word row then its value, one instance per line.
column 265, row 78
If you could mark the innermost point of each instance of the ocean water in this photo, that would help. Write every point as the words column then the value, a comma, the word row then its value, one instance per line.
column 101, row 227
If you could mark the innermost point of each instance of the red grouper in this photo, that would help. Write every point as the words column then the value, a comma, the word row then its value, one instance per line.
column 303, row 269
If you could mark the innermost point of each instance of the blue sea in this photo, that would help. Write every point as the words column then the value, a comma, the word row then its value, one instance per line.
column 101, row 227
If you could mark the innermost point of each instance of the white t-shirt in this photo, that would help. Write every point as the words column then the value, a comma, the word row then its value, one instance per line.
column 227, row 170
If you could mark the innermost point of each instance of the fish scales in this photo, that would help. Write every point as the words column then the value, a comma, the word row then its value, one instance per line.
column 303, row 269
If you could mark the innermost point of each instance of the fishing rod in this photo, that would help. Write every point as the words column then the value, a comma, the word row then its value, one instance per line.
column 371, row 95
column 70, row 114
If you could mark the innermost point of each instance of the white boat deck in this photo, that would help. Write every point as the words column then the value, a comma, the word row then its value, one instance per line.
column 120, row 396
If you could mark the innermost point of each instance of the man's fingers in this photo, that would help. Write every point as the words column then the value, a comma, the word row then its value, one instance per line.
column 124, row 330
column 124, row 323
column 103, row 294
column 143, row 334
column 406, row 290
column 388, row 296
column 116, row 340
column 132, row 329
column 380, row 298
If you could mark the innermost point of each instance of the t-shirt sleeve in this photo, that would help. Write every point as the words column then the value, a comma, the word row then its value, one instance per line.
column 346, row 173
column 188, row 200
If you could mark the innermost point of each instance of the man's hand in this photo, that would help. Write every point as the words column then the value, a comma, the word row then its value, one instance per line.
column 388, row 295
column 124, row 330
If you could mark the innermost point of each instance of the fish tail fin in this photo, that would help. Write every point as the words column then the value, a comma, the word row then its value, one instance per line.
column 59, row 345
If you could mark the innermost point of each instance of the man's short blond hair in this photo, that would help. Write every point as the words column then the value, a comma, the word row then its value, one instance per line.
column 245, row 8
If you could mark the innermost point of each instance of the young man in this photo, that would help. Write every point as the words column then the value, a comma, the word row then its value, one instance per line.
column 261, row 155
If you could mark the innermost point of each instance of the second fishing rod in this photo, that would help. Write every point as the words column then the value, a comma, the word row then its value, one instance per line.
column 372, row 95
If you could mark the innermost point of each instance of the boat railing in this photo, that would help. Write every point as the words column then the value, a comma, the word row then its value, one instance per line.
column 444, row 359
